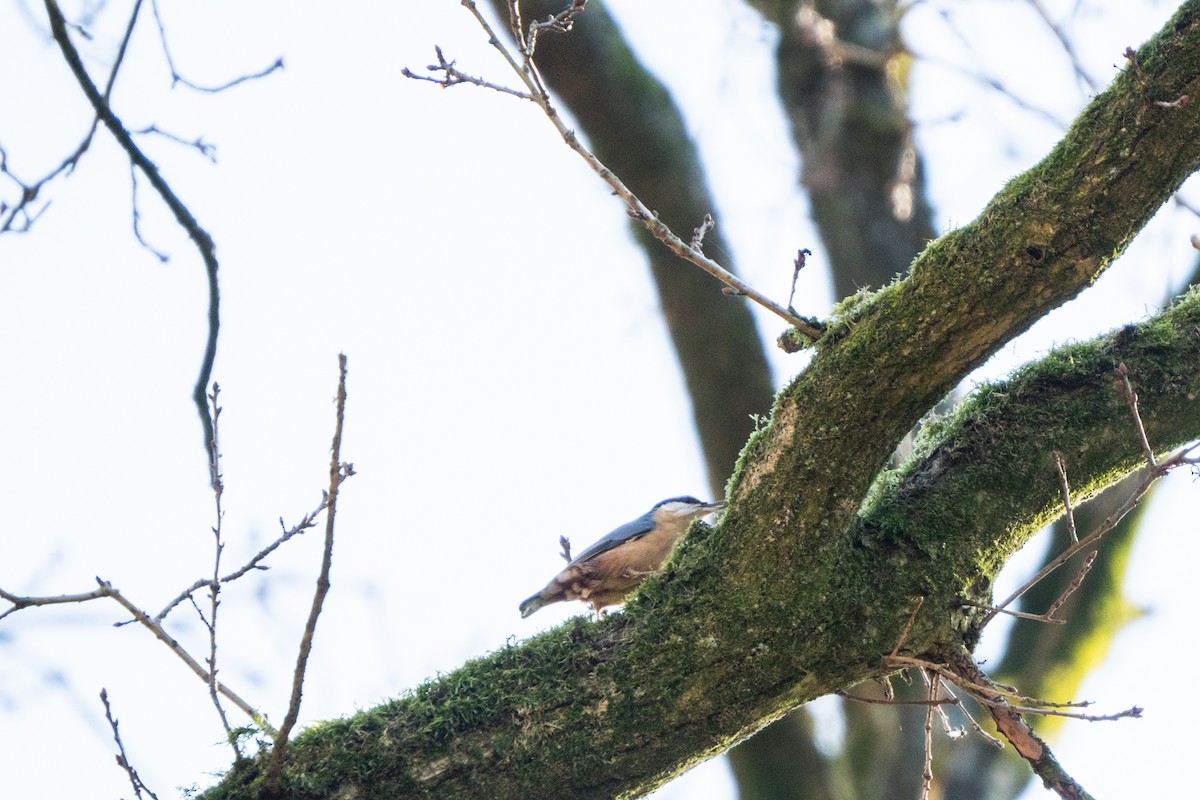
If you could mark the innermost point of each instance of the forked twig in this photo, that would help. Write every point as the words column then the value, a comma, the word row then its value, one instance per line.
column 1155, row 470
column 199, row 236
column 526, row 71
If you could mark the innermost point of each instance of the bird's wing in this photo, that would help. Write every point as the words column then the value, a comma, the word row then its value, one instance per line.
column 626, row 533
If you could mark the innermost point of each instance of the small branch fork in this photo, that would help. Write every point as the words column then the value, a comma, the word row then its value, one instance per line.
column 1154, row 470
column 339, row 472
column 20, row 216
column 522, row 64
column 1003, row 703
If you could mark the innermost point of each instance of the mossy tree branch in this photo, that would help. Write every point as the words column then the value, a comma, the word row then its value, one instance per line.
column 793, row 595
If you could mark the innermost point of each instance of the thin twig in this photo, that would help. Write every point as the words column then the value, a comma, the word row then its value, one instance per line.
column 135, row 780
column 453, row 76
column 1126, row 389
column 1011, row 613
column 636, row 209
column 801, row 259
column 883, row 701
column 927, row 769
column 964, row 672
column 137, row 219
column 108, row 590
column 1073, row 586
column 1066, row 44
column 177, row 78
column 1066, row 492
column 20, row 602
column 338, row 472
column 29, row 192
column 202, row 147
column 907, row 627
column 185, row 218
column 214, row 587
column 1155, row 471
column 255, row 563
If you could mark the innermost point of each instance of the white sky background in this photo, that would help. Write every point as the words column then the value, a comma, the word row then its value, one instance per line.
column 509, row 371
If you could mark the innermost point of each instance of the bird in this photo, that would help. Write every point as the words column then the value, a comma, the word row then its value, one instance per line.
column 605, row 573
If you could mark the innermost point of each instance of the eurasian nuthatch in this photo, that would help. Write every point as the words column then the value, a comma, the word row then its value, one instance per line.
column 605, row 573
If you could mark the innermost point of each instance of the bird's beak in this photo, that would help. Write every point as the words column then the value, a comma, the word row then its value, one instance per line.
column 715, row 506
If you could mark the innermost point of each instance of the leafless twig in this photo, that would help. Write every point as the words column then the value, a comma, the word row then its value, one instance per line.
column 1066, row 44
column 185, row 218
column 927, row 767
column 255, row 563
column 883, row 701
column 19, row 218
column 214, row 587
column 135, row 780
column 177, row 78
column 202, row 147
column 565, row 543
column 1066, row 492
column 1155, row 471
column 106, row 589
column 801, row 259
column 907, row 627
column 338, row 472
column 526, row 71
column 453, row 76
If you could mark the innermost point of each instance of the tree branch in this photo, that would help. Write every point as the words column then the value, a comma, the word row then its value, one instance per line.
column 788, row 599
column 567, row 703
column 199, row 236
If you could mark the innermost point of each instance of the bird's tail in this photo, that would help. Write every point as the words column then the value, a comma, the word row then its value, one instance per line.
column 532, row 604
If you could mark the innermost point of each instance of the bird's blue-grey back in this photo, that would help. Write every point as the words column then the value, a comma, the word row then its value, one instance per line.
column 626, row 533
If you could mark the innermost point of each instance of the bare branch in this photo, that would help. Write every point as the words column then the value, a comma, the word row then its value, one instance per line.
column 205, row 149
column 29, row 192
column 1066, row 491
column 214, row 587
column 19, row 602
column 452, row 76
column 1066, row 44
column 1073, row 586
column 135, row 780
column 927, row 767
column 636, row 209
column 1016, row 730
column 199, row 236
column 1126, row 390
column 908, row 626
column 255, row 563
column 137, row 219
column 1156, row 470
column 338, row 472
column 177, row 78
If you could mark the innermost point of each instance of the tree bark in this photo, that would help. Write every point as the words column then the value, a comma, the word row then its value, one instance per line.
column 796, row 593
